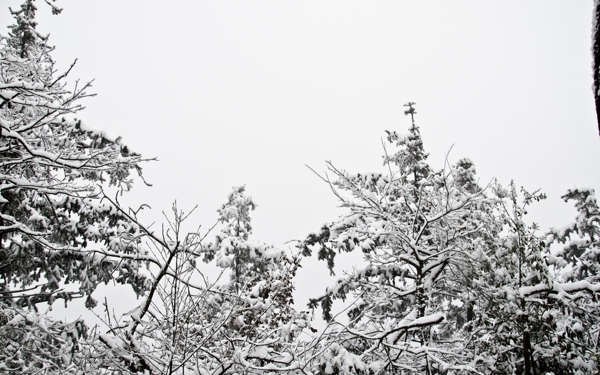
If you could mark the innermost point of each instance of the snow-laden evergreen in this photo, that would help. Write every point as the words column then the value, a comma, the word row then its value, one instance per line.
column 417, row 229
column 59, row 238
column 456, row 280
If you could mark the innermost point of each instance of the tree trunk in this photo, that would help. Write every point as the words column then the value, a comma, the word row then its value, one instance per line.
column 596, row 65
column 527, row 352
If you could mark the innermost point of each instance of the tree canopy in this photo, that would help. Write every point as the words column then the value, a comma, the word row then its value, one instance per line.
column 59, row 237
column 454, row 279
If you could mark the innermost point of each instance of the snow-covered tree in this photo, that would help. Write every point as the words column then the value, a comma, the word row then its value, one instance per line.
column 52, row 169
column 507, row 320
column 530, row 315
column 581, row 239
column 241, row 322
column 58, row 238
column 38, row 344
column 455, row 280
column 575, row 263
column 416, row 229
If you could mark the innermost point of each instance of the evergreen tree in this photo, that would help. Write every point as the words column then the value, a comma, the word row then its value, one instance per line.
column 531, row 315
column 58, row 238
column 456, row 280
column 411, row 158
column 416, row 229
column 581, row 239
column 260, row 302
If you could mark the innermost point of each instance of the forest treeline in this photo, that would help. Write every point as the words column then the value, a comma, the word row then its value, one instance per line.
column 454, row 279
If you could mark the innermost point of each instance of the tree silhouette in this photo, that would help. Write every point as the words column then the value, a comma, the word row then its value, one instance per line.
column 596, row 59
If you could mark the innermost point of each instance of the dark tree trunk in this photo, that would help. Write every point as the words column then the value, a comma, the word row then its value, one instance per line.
column 596, row 57
column 527, row 353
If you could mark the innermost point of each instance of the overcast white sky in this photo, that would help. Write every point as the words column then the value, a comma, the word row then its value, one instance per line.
column 248, row 92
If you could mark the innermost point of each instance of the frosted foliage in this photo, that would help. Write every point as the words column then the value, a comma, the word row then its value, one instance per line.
column 580, row 241
column 52, row 215
column 33, row 343
column 465, row 175
column 455, row 279
column 416, row 229
column 233, row 249
column 243, row 323
column 53, row 220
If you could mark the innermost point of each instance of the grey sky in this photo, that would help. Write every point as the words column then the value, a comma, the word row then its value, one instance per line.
column 248, row 92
